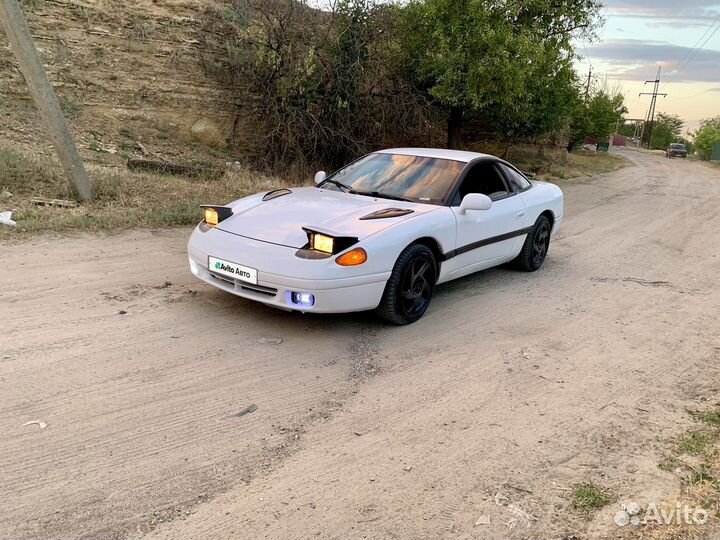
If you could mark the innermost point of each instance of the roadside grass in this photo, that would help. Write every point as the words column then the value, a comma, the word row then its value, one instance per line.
column 694, row 458
column 123, row 198
column 696, row 444
column 582, row 163
column 588, row 498
column 578, row 163
column 126, row 199
column 712, row 164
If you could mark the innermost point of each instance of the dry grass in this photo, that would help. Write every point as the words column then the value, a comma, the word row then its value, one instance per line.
column 712, row 164
column 580, row 163
column 126, row 199
column 123, row 199
column 695, row 458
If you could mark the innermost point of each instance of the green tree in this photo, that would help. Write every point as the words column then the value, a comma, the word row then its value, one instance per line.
column 550, row 96
column 666, row 130
column 706, row 137
column 596, row 116
column 492, row 58
column 628, row 130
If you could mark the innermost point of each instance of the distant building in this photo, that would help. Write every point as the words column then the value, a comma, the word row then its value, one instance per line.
column 619, row 140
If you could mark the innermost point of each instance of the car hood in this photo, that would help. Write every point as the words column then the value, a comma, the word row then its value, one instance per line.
column 281, row 220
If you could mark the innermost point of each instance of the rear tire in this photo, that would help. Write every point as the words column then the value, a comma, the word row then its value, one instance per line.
column 536, row 246
column 410, row 288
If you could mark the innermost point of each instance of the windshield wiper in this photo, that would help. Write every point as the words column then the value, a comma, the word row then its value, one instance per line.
column 342, row 186
column 379, row 195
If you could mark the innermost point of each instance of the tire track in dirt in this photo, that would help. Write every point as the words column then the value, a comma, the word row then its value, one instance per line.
column 138, row 419
column 483, row 432
column 512, row 387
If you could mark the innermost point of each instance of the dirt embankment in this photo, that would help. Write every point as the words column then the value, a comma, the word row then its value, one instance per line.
column 123, row 72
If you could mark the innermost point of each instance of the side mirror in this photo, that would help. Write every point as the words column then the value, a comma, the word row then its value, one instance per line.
column 475, row 201
column 320, row 176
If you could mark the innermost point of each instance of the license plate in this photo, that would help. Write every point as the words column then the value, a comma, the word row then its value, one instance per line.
column 232, row 270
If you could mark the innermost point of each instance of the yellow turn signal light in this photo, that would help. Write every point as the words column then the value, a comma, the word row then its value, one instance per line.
column 211, row 216
column 354, row 257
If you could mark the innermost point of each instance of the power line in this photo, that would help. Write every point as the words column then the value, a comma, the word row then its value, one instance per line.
column 692, row 49
column 695, row 49
column 694, row 95
column 587, row 55
column 604, row 28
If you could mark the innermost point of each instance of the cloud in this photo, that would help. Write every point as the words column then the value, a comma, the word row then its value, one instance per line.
column 716, row 89
column 665, row 9
column 634, row 59
column 675, row 24
column 687, row 5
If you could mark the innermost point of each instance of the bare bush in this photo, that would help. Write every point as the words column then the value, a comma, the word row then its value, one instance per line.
column 322, row 86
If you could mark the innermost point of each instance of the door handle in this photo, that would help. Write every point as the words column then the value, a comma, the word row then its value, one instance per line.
column 521, row 214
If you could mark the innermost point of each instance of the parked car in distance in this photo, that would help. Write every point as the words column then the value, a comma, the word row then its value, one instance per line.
column 676, row 150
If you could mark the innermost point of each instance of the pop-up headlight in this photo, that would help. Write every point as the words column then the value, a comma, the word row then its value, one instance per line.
column 212, row 215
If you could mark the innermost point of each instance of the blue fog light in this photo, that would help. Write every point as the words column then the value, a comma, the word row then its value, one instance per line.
column 302, row 299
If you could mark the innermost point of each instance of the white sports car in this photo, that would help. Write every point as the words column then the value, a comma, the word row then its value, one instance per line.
column 379, row 234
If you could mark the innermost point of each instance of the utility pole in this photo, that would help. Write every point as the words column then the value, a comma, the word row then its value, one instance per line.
column 642, row 131
column 651, row 111
column 13, row 22
column 587, row 87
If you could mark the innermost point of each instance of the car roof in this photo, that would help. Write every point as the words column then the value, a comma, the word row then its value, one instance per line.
column 438, row 153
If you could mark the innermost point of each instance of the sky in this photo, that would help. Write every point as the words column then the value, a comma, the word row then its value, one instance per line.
column 680, row 36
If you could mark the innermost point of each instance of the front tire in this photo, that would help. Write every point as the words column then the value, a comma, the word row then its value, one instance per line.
column 536, row 246
column 411, row 286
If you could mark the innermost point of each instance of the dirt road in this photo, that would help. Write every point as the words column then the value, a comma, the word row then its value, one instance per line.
column 471, row 423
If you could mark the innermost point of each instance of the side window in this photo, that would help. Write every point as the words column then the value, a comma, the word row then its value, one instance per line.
column 517, row 180
column 485, row 178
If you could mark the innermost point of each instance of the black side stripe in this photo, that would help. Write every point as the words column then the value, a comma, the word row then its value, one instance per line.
column 486, row 242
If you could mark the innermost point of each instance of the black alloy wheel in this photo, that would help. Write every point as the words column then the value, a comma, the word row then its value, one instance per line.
column 417, row 285
column 536, row 246
column 409, row 290
column 541, row 243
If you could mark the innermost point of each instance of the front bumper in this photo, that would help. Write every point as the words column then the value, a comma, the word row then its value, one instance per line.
column 332, row 294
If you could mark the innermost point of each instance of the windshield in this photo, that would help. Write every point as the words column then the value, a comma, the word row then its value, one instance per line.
column 418, row 179
column 677, row 146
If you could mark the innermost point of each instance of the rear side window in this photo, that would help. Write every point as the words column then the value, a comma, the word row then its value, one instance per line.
column 517, row 180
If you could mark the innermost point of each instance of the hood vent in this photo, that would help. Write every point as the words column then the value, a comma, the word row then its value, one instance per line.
column 388, row 213
column 270, row 195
